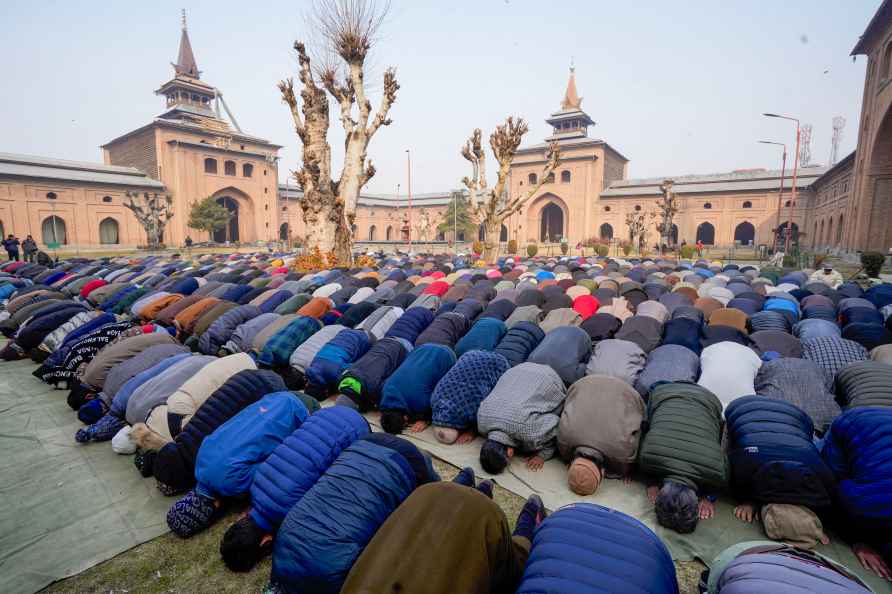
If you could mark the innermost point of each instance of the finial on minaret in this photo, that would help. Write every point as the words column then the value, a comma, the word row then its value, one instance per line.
column 186, row 64
column 572, row 100
column 572, row 64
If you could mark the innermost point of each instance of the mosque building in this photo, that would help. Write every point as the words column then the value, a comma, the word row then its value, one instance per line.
column 190, row 151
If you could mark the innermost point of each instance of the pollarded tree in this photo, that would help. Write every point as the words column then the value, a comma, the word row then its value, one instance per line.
column 209, row 215
column 153, row 211
column 667, row 208
column 492, row 206
column 637, row 225
column 348, row 29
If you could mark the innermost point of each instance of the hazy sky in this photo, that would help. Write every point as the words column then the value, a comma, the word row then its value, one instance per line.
column 677, row 87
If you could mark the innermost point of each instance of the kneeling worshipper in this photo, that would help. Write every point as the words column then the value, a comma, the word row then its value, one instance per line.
column 457, row 396
column 566, row 350
column 682, row 449
column 858, row 449
column 801, row 383
column 327, row 529
column 284, row 478
column 406, row 396
column 447, row 538
column 585, row 548
column 229, row 456
column 728, row 370
column 333, row 359
column 599, row 431
column 361, row 384
column 522, row 412
column 776, row 466
column 764, row 566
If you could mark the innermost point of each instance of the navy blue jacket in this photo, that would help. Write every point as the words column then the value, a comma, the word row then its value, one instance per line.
column 519, row 342
column 411, row 324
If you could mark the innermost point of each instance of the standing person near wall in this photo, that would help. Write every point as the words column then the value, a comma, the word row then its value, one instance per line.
column 11, row 244
column 29, row 246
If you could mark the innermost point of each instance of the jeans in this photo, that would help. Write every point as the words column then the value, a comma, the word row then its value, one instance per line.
column 29, row 256
column 12, row 255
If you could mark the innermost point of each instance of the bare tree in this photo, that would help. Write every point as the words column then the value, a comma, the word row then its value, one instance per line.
column 637, row 225
column 348, row 29
column 667, row 208
column 492, row 206
column 153, row 211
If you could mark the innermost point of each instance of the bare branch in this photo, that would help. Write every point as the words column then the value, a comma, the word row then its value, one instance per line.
column 391, row 86
column 553, row 158
column 350, row 27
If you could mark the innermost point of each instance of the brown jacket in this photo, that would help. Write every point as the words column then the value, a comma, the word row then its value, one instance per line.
column 315, row 307
column 445, row 538
column 150, row 311
column 186, row 319
column 602, row 417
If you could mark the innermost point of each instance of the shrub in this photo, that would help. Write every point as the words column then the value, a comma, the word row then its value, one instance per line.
column 687, row 251
column 565, row 247
column 626, row 247
column 532, row 250
column 791, row 262
column 477, row 247
column 872, row 263
column 819, row 259
column 602, row 250
column 512, row 246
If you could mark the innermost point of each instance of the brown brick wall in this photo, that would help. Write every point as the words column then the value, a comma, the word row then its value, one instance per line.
column 136, row 151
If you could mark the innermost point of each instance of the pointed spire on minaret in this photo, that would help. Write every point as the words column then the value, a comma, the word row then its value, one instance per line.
column 186, row 59
column 572, row 100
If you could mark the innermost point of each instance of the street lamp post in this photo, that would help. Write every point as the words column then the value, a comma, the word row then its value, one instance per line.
column 780, row 192
column 795, row 171
column 409, row 188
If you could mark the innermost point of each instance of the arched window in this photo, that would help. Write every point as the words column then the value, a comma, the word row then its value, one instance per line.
column 461, row 235
column 229, row 167
column 503, row 233
column 565, row 177
column 284, row 231
column 706, row 233
column 441, row 236
column 247, row 170
column 372, row 231
column 532, row 179
column 550, row 178
column 673, row 235
column 53, row 230
column 814, row 235
column 284, row 209
column 210, row 165
column 388, row 233
column 606, row 209
column 839, row 230
column 745, row 233
column 637, row 207
column 707, row 206
column 108, row 231
column 106, row 198
column 747, row 204
column 353, row 229
column 51, row 196
column 606, row 231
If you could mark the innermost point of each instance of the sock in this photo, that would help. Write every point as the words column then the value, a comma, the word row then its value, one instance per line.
column 485, row 487
column 465, row 477
column 527, row 520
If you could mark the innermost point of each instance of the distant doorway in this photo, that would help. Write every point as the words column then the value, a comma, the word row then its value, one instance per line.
column 745, row 233
column 551, row 227
column 706, row 233
column 230, row 231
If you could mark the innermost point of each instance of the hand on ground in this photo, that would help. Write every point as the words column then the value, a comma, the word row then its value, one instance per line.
column 872, row 561
column 707, row 508
column 419, row 426
column 535, row 463
column 466, row 437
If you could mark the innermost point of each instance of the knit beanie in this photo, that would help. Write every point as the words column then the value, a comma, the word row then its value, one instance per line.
column 172, row 468
column 584, row 476
column 191, row 514
column 121, row 442
column 92, row 411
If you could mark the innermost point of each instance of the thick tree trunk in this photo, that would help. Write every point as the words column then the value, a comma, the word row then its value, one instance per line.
column 492, row 245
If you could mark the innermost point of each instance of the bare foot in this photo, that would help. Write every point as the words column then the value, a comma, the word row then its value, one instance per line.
column 746, row 512
column 652, row 492
column 535, row 463
column 872, row 561
column 419, row 426
column 466, row 436
column 627, row 479
column 707, row 508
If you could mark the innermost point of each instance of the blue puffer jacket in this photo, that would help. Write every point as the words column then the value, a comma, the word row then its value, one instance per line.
column 275, row 300
column 521, row 340
column 411, row 324
column 298, row 462
column 484, row 335
column 586, row 548
column 175, row 462
column 222, row 328
column 410, row 387
column 326, row 531
column 228, row 458
column 858, row 450
column 184, row 286
column 773, row 458
column 333, row 358
column 235, row 292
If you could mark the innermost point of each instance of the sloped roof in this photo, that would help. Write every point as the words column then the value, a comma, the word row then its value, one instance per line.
column 16, row 165
column 735, row 181
column 290, row 192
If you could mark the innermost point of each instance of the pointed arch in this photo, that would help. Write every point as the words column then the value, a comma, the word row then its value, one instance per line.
column 372, row 231
column 109, row 231
column 706, row 233
column 745, row 233
column 388, row 233
column 606, row 231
